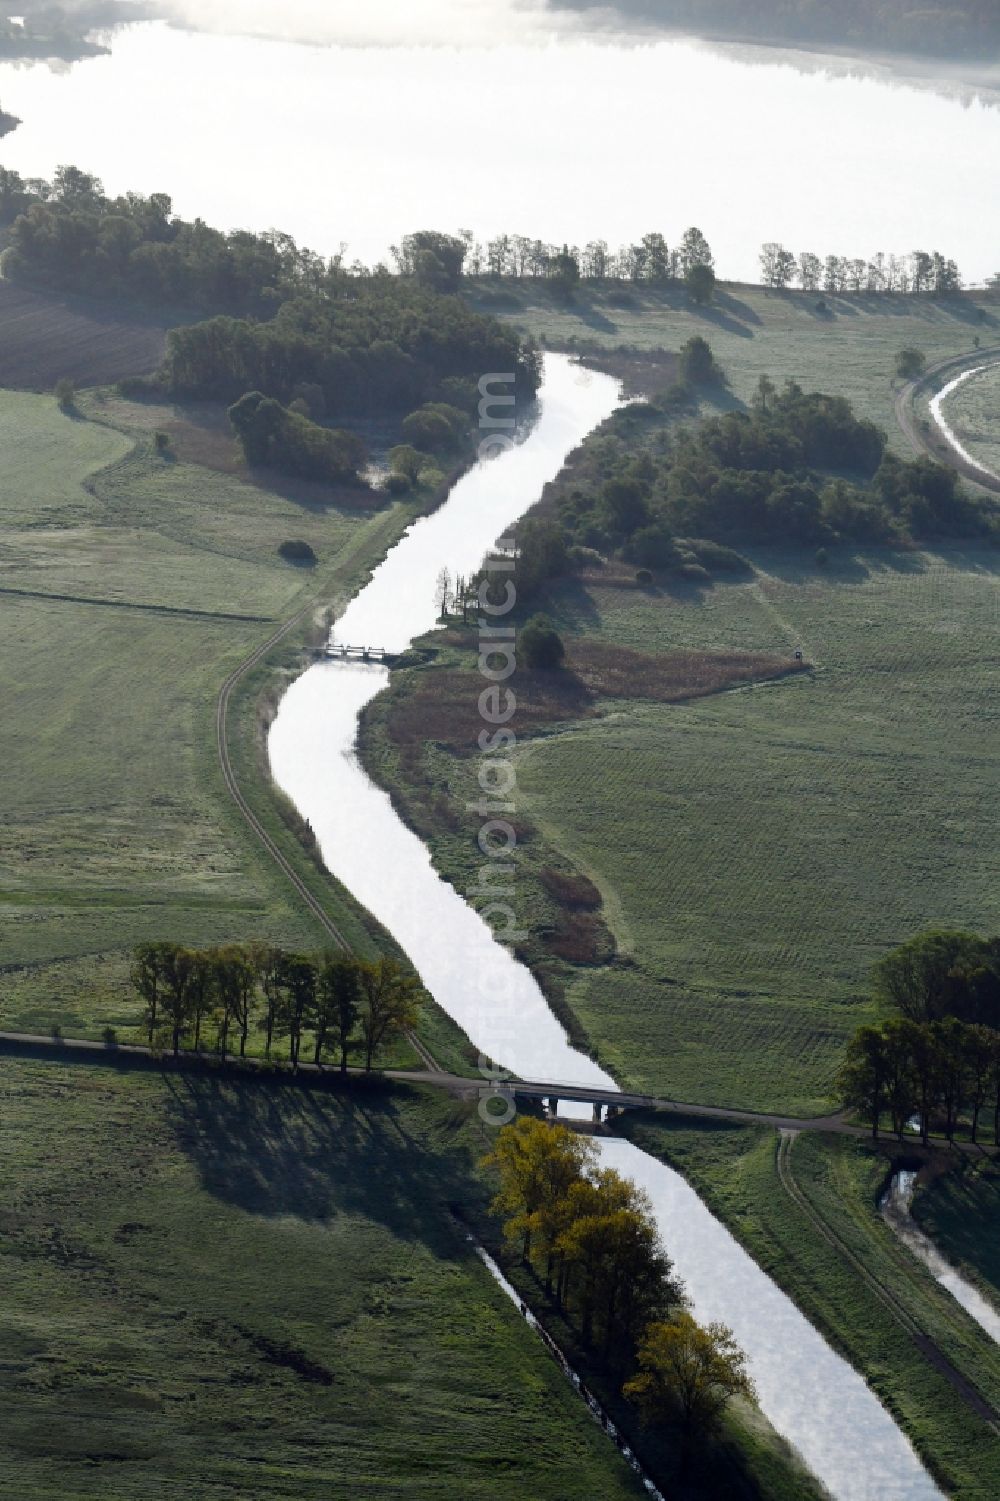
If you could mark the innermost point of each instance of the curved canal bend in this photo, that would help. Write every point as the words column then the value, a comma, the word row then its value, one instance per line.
column 812, row 1396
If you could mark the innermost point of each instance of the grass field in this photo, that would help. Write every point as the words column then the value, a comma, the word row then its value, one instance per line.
column 130, row 586
column 849, row 350
column 45, row 337
column 734, row 1170
column 756, row 850
column 214, row 1291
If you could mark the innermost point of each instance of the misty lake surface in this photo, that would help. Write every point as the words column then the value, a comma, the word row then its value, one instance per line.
column 809, row 1393
column 565, row 138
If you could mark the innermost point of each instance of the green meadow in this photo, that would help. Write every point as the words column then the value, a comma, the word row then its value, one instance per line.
column 755, row 851
column 217, row 1290
column 847, row 345
column 132, row 584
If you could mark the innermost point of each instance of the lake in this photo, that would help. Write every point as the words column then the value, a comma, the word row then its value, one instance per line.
column 561, row 136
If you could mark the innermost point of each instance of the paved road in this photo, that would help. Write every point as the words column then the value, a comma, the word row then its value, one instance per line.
column 81, row 1050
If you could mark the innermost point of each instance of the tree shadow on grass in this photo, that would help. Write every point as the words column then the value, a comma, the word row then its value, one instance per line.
column 272, row 1150
column 719, row 317
column 854, row 565
column 846, row 566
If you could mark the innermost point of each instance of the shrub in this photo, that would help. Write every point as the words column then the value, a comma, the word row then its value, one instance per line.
column 397, row 484
column 652, row 547
column 275, row 436
column 697, row 363
column 109, row 1037
column 298, row 552
column 700, row 281
column 910, row 363
column 431, row 477
column 713, row 555
column 405, row 459
column 585, row 557
column 643, row 576
column 434, row 427
column 571, row 890
column 65, row 394
column 679, row 394
column 541, row 645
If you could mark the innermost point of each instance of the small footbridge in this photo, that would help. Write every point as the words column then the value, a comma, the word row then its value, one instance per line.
column 340, row 652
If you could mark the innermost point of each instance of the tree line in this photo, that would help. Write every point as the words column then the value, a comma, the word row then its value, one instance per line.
column 331, row 1003
column 590, row 1234
column 938, row 1057
column 970, row 29
column 919, row 272
column 649, row 259
column 280, row 319
column 381, row 345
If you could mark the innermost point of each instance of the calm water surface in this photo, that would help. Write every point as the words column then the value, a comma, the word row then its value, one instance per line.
column 567, row 139
column 811, row 1396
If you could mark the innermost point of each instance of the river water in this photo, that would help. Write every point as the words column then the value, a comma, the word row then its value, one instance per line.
column 523, row 128
column 896, row 1209
column 809, row 1393
column 937, row 407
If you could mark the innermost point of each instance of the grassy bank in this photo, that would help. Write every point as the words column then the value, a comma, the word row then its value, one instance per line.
column 217, row 1291
column 848, row 345
column 135, row 583
column 747, row 855
column 735, row 1171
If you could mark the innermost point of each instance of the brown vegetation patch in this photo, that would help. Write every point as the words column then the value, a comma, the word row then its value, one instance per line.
column 45, row 337
column 570, row 890
column 642, row 372
column 581, row 938
column 610, row 671
column 442, row 707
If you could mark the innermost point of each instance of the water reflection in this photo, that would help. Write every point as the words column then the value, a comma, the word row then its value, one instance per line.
column 362, row 144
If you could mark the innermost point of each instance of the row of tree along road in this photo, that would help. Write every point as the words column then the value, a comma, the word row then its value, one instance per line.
column 332, row 1003
column 936, row 1059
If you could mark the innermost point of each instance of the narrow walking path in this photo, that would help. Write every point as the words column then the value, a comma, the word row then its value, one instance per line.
column 82, row 1050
